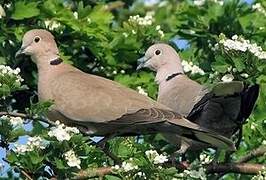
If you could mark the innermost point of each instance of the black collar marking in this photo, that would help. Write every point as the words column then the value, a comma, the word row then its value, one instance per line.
column 56, row 61
column 172, row 76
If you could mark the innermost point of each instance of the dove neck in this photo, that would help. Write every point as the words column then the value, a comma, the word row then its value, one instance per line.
column 168, row 70
column 46, row 62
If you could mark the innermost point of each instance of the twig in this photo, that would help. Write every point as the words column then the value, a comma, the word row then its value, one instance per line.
column 115, row 5
column 25, row 174
column 243, row 168
column 25, row 116
column 253, row 154
column 93, row 172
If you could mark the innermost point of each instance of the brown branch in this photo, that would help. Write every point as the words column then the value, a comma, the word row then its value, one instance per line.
column 25, row 116
column 26, row 174
column 93, row 172
column 243, row 168
column 115, row 5
column 253, row 154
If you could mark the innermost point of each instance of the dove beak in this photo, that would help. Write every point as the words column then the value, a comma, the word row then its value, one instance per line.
column 142, row 62
column 21, row 51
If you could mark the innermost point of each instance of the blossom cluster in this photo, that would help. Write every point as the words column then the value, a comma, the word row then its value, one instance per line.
column 51, row 24
column 15, row 121
column 72, row 159
column 142, row 91
column 190, row 67
column 205, row 159
column 62, row 132
column 160, row 32
column 227, row 78
column 2, row 12
column 155, row 157
column 8, row 71
column 196, row 174
column 260, row 176
column 126, row 166
column 240, row 44
column 142, row 21
column 259, row 8
column 33, row 143
column 202, row 2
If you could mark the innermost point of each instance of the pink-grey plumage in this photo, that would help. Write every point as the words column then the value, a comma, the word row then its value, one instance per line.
column 222, row 108
column 100, row 106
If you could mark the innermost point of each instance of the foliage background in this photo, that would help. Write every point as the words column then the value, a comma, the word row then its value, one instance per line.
column 97, row 37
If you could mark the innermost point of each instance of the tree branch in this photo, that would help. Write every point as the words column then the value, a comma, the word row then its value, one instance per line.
column 253, row 154
column 93, row 172
column 25, row 116
column 243, row 168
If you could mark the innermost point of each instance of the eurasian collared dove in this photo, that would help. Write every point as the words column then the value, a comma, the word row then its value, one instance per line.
column 100, row 106
column 223, row 109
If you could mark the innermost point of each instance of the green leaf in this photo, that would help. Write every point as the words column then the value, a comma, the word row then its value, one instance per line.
column 220, row 65
column 239, row 64
column 25, row 10
column 35, row 158
column 110, row 177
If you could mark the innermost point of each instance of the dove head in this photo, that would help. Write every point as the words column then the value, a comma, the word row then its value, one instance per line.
column 40, row 45
column 163, row 59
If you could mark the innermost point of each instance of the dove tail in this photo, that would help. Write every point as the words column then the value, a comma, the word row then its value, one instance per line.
column 248, row 98
column 206, row 136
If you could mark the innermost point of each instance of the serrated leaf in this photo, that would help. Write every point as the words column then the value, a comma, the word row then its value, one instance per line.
column 25, row 10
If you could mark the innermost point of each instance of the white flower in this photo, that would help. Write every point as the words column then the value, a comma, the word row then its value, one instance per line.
column 6, row 70
column 160, row 159
column 2, row 12
column 199, row 2
column 253, row 126
column 244, row 75
column 264, row 142
column 205, row 159
column 200, row 174
column 190, row 67
column 75, row 14
column 89, row 20
column 160, row 32
column 141, row 21
column 140, row 174
column 227, row 78
column 32, row 144
column 116, row 167
column 72, row 159
column 142, row 91
column 125, row 34
column 155, row 157
column 51, row 24
column 122, row 71
column 16, row 121
column 62, row 132
column 259, row 8
column 240, row 44
column 114, row 72
column 128, row 166
column 134, row 32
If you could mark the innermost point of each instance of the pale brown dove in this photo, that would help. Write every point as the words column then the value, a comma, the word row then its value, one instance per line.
column 223, row 108
column 101, row 106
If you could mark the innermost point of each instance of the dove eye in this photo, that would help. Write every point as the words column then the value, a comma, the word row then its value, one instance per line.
column 37, row 39
column 157, row 52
